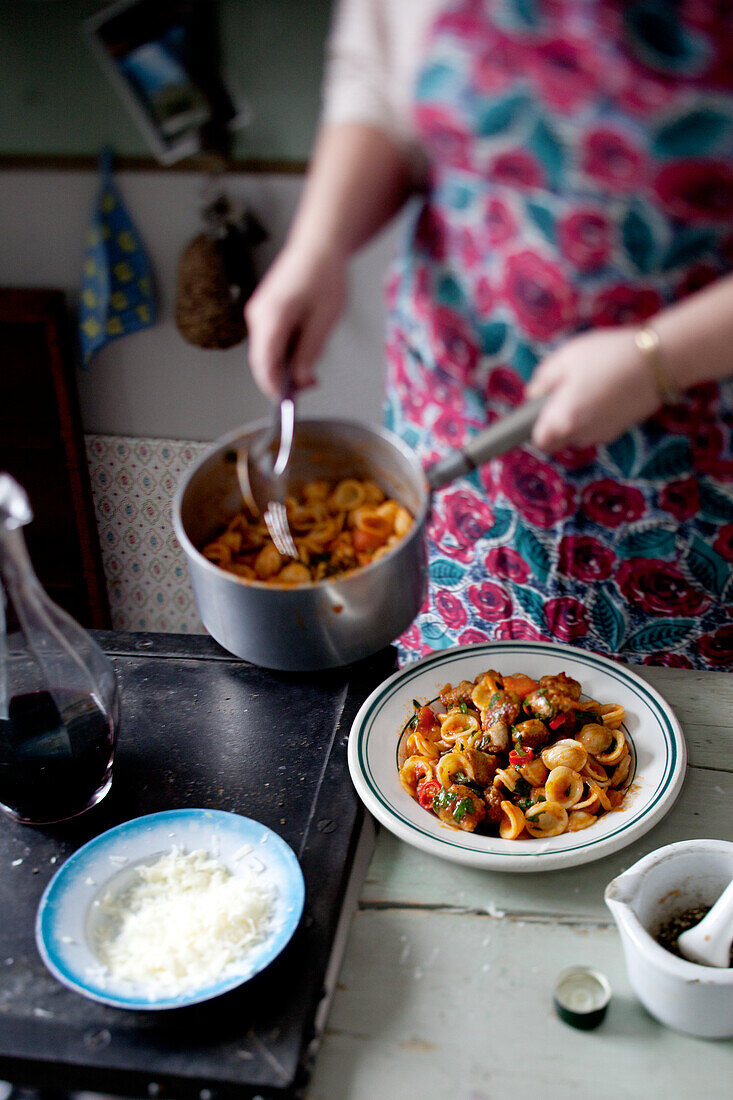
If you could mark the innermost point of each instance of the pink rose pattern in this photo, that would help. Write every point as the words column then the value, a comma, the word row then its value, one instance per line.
column 581, row 175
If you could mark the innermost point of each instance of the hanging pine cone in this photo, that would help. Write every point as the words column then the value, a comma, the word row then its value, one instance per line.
column 209, row 307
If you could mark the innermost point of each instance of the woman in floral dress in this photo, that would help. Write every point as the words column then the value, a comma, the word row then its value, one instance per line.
column 574, row 238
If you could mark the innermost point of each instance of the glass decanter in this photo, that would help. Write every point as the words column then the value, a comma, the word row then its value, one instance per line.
column 59, row 699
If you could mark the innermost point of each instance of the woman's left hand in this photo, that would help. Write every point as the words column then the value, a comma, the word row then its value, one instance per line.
column 597, row 385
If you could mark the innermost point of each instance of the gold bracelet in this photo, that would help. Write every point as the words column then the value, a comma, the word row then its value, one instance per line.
column 647, row 342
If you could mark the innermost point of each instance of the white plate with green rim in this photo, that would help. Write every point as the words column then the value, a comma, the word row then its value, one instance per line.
column 656, row 738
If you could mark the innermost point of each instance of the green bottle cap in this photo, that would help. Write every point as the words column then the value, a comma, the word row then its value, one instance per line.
column 581, row 997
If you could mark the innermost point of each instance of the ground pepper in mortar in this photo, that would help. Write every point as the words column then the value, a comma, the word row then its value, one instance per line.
column 669, row 934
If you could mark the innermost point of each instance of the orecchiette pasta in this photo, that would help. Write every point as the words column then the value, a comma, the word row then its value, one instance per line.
column 580, row 819
column 565, row 753
column 546, row 819
column 336, row 528
column 619, row 750
column 564, row 786
column 512, row 821
column 522, row 757
column 457, row 725
column 595, row 737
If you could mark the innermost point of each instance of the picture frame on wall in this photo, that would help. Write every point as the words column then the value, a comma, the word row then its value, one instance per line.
column 162, row 58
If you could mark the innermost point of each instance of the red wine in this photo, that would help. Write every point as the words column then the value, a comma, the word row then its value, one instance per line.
column 54, row 764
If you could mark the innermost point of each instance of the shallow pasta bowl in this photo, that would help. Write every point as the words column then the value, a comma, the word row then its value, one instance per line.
column 654, row 734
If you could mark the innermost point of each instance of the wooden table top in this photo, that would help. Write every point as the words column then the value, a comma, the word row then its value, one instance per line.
column 446, row 985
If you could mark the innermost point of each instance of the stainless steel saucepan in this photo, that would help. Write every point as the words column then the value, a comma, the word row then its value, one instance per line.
column 338, row 621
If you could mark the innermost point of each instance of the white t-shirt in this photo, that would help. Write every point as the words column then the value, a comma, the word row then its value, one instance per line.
column 372, row 57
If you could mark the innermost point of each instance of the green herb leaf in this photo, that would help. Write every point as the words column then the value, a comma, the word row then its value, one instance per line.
column 464, row 806
column 443, row 799
column 462, row 707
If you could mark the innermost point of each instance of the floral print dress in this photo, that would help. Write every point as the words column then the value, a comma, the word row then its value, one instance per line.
column 581, row 175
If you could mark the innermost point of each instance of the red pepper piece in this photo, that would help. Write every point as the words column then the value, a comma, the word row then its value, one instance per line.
column 426, row 719
column 524, row 757
column 426, row 792
column 557, row 721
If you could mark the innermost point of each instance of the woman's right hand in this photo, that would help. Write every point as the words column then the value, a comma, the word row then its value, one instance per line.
column 291, row 314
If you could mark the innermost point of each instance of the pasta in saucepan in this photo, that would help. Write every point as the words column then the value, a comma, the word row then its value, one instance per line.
column 517, row 756
column 337, row 527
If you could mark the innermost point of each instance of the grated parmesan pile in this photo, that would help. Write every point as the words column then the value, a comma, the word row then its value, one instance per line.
column 184, row 923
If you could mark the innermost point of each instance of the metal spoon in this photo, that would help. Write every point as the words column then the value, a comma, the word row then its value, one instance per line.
column 709, row 942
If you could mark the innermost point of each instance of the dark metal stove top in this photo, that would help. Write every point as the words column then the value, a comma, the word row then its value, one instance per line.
column 199, row 728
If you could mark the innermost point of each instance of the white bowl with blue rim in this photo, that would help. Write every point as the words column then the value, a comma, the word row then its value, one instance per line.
column 66, row 921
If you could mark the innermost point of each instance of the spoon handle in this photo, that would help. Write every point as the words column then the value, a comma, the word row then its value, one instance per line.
column 284, row 426
column 501, row 436
column 285, row 431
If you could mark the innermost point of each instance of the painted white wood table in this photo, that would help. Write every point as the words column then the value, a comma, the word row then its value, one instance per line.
column 446, row 986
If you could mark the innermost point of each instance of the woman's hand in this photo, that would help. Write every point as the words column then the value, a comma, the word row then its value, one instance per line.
column 598, row 385
column 291, row 313
column 358, row 178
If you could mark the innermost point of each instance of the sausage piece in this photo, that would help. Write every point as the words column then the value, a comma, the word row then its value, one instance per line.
column 497, row 734
column 532, row 734
column 451, row 696
column 493, row 799
column 561, row 685
column 505, row 706
column 464, row 802
column 483, row 766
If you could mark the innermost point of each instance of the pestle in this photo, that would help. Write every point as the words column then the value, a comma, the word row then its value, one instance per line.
column 708, row 943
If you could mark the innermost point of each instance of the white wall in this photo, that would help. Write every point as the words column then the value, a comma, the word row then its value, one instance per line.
column 153, row 383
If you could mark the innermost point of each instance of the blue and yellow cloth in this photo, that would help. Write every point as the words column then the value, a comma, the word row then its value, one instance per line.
column 117, row 288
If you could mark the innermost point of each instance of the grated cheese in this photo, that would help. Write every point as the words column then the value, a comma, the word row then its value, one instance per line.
column 185, row 922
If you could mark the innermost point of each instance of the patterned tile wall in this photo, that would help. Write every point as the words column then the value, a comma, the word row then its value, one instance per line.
column 133, row 483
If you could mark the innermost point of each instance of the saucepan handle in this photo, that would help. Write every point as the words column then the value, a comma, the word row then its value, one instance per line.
column 497, row 439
